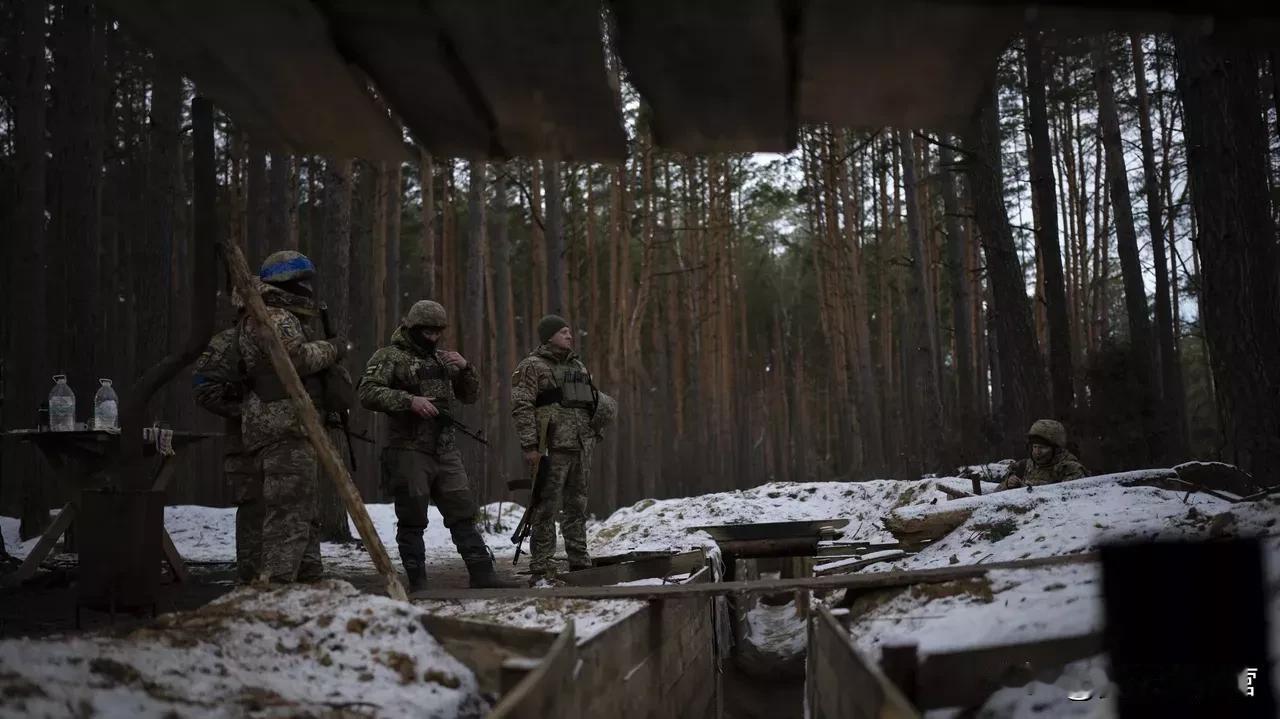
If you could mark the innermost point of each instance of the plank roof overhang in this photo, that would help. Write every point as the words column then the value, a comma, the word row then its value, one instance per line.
column 503, row 78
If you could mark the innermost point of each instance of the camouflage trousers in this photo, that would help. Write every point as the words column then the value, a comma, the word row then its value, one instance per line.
column 245, row 483
column 561, row 496
column 291, row 520
column 414, row 479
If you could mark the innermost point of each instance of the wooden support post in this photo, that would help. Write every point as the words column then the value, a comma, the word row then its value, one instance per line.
column 900, row 665
column 311, row 424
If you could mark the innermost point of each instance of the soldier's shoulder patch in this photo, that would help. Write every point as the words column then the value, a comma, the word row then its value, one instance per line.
column 373, row 368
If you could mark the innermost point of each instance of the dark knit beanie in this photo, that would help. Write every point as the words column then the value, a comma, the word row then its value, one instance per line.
column 550, row 325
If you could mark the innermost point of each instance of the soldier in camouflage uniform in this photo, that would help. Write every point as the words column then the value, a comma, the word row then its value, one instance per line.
column 1049, row 463
column 219, row 387
column 419, row 387
column 553, row 384
column 272, row 430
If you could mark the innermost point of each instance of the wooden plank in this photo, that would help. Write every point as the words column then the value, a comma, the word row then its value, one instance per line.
column 407, row 53
column 43, row 547
column 540, row 68
column 665, row 566
column 843, row 684
column 904, row 63
column 490, row 649
column 875, row 580
column 966, row 677
column 272, row 66
column 716, row 74
column 172, row 557
column 548, row 691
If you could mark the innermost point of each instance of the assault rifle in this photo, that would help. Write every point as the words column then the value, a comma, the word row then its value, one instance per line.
column 447, row 420
column 344, row 415
column 539, row 473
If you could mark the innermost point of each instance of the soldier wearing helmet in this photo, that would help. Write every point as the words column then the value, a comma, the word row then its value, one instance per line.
column 1049, row 463
column 418, row 386
column 270, row 426
column 553, row 384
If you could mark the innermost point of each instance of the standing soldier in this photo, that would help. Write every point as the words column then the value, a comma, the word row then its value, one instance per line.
column 417, row 386
column 219, row 387
column 272, row 429
column 1049, row 463
column 552, row 386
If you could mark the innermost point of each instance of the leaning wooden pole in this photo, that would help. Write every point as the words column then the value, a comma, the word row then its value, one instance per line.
column 311, row 424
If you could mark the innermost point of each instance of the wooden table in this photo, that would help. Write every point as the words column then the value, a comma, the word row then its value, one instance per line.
column 78, row 457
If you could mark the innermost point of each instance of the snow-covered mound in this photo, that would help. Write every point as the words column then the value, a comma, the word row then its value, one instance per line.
column 663, row 525
column 319, row 650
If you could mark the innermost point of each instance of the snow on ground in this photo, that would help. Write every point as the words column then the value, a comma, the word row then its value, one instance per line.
column 1077, row 516
column 590, row 617
column 777, row 630
column 208, row 534
column 663, row 525
column 308, row 650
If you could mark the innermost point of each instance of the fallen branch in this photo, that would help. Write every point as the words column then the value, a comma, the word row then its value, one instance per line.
column 311, row 422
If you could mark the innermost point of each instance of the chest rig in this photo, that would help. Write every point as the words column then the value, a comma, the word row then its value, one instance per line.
column 573, row 388
column 430, row 378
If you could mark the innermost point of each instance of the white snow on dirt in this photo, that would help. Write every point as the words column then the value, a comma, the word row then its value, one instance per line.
column 590, row 617
column 208, row 534
column 777, row 630
column 318, row 650
column 663, row 525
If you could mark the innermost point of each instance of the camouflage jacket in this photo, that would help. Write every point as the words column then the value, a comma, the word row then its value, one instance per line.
column 262, row 421
column 1026, row 473
column 538, row 373
column 218, row 383
column 401, row 371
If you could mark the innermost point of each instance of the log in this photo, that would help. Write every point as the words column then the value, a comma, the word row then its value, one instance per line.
column 311, row 424
column 931, row 525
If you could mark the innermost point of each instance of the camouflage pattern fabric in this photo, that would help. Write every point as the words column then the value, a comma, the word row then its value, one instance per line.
column 562, row 496
column 1063, row 467
column 402, row 370
column 265, row 422
column 218, row 385
column 414, row 479
column 535, row 374
column 290, row 527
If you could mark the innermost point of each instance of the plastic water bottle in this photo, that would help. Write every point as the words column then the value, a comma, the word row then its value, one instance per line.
column 62, row 406
column 106, row 408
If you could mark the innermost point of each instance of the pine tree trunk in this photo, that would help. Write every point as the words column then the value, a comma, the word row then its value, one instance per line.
column 1060, row 370
column 259, row 245
column 334, row 260
column 473, row 302
column 504, row 312
column 427, row 178
column 396, row 306
column 924, row 382
column 1140, row 343
column 1226, row 160
column 279, row 228
column 555, row 237
column 961, row 319
column 26, row 372
column 1022, row 378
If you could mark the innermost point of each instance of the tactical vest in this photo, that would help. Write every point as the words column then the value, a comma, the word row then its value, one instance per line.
column 573, row 389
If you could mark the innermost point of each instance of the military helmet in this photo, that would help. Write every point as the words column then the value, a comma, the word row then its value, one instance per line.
column 286, row 265
column 426, row 313
column 606, row 412
column 1050, row 431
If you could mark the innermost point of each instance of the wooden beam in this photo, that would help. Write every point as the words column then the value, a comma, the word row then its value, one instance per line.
column 311, row 424
column 841, row 683
column 875, row 580
column 272, row 65
column 549, row 690
column 717, row 74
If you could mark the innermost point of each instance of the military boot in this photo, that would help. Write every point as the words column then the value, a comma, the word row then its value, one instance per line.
column 417, row 579
column 483, row 577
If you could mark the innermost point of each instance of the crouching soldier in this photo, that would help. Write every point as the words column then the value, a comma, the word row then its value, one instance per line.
column 417, row 385
column 1049, row 463
column 219, row 387
column 272, row 428
column 552, row 385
